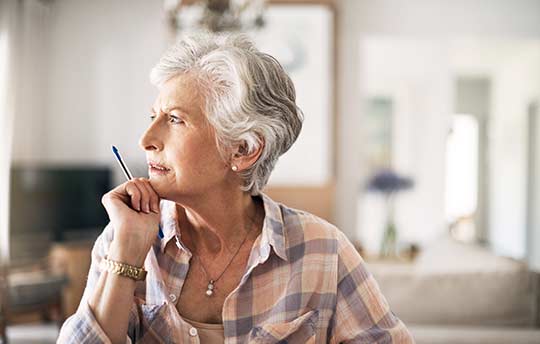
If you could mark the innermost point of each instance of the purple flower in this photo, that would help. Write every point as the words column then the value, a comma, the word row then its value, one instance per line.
column 387, row 182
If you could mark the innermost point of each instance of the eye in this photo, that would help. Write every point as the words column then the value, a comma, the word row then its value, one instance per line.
column 172, row 119
column 175, row 120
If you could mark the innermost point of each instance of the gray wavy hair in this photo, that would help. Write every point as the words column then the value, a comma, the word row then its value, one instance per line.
column 250, row 99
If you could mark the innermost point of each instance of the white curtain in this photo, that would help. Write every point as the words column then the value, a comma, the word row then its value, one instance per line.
column 9, row 14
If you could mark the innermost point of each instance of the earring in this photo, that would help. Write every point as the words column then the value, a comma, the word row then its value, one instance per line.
column 235, row 168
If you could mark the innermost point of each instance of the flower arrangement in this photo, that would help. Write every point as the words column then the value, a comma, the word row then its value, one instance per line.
column 389, row 183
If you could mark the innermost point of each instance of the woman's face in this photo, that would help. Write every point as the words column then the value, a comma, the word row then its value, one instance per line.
column 181, row 139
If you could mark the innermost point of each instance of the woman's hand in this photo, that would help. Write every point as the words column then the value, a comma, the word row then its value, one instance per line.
column 133, row 209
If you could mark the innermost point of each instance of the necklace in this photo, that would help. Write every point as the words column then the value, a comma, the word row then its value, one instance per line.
column 211, row 283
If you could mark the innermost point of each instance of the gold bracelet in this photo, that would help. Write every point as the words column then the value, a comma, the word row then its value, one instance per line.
column 122, row 269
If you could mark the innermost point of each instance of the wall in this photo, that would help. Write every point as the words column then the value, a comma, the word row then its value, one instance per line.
column 71, row 50
column 9, row 18
column 515, row 87
column 78, row 53
column 32, row 71
column 115, row 43
column 101, row 53
column 420, row 76
column 416, row 75
column 533, row 237
column 83, row 85
column 399, row 18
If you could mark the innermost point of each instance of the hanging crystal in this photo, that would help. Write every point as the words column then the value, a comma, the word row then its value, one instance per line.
column 215, row 15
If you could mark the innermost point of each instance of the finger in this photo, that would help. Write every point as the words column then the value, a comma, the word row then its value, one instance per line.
column 146, row 195
column 119, row 192
column 134, row 193
column 154, row 197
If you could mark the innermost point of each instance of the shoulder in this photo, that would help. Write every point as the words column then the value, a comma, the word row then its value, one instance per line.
column 302, row 227
column 312, row 225
column 316, row 235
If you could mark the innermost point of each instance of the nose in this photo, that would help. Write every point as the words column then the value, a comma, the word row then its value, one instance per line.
column 150, row 139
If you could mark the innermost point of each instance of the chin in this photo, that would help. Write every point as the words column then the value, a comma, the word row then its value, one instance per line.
column 167, row 190
column 160, row 186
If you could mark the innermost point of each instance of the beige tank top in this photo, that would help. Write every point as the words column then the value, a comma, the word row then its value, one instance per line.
column 208, row 333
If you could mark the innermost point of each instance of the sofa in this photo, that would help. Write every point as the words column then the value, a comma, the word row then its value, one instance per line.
column 461, row 293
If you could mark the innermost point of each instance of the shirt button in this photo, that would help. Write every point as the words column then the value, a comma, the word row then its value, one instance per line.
column 193, row 331
column 172, row 297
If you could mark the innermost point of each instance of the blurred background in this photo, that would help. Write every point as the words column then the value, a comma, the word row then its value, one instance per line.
column 420, row 142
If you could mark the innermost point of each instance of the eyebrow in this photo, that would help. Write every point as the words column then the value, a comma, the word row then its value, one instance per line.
column 171, row 109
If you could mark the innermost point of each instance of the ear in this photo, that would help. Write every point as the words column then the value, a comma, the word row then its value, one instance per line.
column 243, row 159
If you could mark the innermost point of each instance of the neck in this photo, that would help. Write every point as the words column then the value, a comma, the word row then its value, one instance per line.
column 218, row 223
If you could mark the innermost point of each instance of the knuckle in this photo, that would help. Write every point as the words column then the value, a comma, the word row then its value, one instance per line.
column 132, row 186
column 138, row 181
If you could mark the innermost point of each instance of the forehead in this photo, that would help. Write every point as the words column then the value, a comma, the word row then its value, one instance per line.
column 180, row 92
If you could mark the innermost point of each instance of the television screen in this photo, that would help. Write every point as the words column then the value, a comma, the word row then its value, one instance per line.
column 56, row 203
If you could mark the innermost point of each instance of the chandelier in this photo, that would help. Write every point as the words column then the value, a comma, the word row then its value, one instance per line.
column 215, row 15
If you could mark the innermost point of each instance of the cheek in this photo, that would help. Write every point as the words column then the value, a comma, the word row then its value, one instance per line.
column 190, row 165
column 208, row 163
column 198, row 158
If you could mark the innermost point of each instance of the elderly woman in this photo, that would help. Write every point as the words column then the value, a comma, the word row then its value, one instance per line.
column 233, row 266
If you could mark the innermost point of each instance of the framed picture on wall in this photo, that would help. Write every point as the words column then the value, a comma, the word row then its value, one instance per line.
column 378, row 129
column 300, row 37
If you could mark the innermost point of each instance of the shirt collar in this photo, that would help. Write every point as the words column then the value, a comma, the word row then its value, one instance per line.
column 274, row 228
column 169, row 224
column 273, row 231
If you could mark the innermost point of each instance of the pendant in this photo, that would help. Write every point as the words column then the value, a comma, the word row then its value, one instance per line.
column 210, row 289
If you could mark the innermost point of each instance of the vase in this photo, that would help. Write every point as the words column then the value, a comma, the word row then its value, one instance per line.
column 389, row 240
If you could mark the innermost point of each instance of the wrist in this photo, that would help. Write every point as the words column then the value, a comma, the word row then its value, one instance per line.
column 122, row 269
column 123, row 254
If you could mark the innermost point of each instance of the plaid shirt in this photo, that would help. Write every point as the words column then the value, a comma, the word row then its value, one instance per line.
column 304, row 283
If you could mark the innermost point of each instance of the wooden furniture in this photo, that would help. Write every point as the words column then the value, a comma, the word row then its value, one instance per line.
column 73, row 260
column 29, row 291
column 3, row 297
column 48, row 290
column 318, row 200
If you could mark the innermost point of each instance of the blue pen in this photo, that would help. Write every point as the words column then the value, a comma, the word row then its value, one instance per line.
column 129, row 177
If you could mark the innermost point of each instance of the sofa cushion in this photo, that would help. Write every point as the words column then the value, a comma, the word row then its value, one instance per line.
column 457, row 284
column 473, row 335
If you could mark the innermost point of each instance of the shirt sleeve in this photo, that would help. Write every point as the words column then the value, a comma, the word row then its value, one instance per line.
column 362, row 313
column 82, row 327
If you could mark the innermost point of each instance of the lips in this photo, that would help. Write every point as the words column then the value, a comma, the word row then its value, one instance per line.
column 158, row 166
